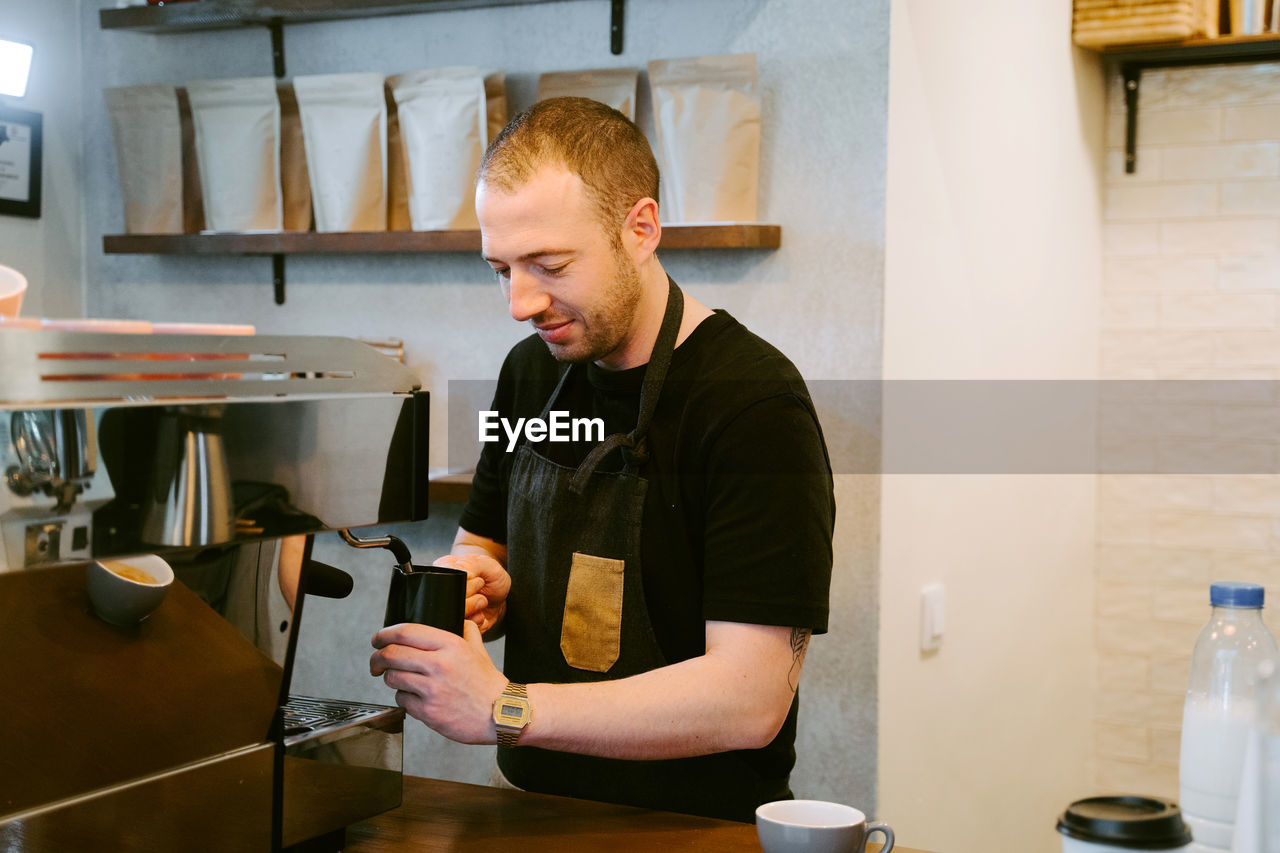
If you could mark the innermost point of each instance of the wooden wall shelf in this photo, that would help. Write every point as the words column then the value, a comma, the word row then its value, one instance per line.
column 726, row 236
column 174, row 17
column 183, row 17
column 1199, row 51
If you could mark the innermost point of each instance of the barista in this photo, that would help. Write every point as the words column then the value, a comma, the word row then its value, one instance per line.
column 658, row 589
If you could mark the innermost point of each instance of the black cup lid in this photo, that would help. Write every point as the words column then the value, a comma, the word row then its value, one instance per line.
column 1136, row 823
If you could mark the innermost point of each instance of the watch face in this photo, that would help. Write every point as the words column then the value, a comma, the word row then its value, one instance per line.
column 510, row 712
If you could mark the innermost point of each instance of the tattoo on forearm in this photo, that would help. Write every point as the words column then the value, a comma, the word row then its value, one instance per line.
column 799, row 643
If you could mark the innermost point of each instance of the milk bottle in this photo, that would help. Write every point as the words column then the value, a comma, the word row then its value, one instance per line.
column 1219, row 710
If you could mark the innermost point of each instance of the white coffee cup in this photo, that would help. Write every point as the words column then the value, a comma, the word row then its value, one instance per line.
column 121, row 596
column 815, row 826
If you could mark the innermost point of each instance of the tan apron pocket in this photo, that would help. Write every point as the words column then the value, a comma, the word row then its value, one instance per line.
column 592, row 634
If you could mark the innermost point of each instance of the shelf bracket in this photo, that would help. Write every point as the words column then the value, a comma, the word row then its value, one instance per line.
column 1132, row 75
column 277, row 277
column 1132, row 61
column 616, row 26
column 276, row 26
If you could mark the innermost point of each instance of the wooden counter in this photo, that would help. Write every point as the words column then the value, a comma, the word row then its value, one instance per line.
column 452, row 816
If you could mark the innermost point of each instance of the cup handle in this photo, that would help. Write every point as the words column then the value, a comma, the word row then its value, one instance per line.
column 885, row 830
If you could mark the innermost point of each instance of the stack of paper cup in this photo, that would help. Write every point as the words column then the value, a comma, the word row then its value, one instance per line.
column 13, row 286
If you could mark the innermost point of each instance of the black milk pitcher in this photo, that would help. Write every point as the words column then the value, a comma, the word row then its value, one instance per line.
column 427, row 595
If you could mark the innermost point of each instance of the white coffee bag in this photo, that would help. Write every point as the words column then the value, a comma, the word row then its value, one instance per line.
column 613, row 86
column 444, row 128
column 706, row 112
column 237, row 125
column 344, row 125
column 148, row 137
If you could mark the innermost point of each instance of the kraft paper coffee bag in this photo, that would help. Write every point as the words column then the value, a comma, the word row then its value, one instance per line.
column 192, row 196
column 295, row 185
column 706, row 112
column 613, row 86
column 237, row 125
column 344, row 126
column 148, row 137
column 495, row 95
column 444, row 120
column 397, row 172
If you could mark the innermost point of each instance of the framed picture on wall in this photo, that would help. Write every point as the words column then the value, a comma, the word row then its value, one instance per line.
column 20, row 143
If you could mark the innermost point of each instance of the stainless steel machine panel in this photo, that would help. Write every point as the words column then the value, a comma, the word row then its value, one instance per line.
column 138, row 447
column 219, row 803
column 209, row 451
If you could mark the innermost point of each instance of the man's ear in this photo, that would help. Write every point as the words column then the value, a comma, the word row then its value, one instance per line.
column 642, row 231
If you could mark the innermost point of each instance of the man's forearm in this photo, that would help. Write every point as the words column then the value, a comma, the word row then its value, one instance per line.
column 735, row 697
column 466, row 542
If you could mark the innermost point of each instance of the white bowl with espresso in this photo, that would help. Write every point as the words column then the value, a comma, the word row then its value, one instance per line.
column 126, row 590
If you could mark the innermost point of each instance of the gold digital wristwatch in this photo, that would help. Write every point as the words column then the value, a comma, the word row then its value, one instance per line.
column 511, row 713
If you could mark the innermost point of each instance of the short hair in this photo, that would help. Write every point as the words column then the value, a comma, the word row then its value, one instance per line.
column 592, row 140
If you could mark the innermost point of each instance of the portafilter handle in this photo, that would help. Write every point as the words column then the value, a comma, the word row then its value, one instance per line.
column 404, row 561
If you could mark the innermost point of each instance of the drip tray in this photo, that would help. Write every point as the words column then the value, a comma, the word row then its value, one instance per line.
column 307, row 718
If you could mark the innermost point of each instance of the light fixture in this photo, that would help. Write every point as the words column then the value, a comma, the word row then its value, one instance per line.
column 15, row 66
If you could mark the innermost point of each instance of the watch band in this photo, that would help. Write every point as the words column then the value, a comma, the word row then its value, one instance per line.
column 509, row 735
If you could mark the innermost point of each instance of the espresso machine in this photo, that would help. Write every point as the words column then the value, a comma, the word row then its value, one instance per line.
column 214, row 453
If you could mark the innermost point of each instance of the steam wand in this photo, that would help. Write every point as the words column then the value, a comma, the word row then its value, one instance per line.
column 404, row 562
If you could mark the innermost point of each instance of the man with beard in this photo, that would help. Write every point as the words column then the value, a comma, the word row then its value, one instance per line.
column 657, row 589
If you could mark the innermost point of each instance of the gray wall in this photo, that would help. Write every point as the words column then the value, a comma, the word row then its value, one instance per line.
column 47, row 250
column 824, row 67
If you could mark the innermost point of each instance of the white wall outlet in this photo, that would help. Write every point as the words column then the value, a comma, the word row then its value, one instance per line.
column 933, row 616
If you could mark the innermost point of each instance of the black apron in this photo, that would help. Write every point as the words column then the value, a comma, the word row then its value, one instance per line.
column 577, row 612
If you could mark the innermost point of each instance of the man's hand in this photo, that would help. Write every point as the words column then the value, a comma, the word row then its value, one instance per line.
column 487, row 586
column 446, row 681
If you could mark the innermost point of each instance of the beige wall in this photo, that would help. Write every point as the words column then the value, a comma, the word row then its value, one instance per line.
column 1191, row 291
column 47, row 250
column 992, row 272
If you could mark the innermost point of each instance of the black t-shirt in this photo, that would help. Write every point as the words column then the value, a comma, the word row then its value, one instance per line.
column 740, row 508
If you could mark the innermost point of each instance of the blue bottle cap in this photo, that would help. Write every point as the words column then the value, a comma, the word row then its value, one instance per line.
column 1236, row 594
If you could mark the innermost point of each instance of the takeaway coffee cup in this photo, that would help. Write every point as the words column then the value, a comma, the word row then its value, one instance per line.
column 1121, row 824
column 814, row 826
column 428, row 595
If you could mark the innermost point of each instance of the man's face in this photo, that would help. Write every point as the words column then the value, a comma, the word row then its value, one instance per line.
column 558, row 268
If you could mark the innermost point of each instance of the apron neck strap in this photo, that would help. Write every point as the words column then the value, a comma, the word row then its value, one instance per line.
column 635, row 449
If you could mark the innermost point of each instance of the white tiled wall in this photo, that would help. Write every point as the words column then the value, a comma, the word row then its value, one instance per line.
column 1191, row 291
